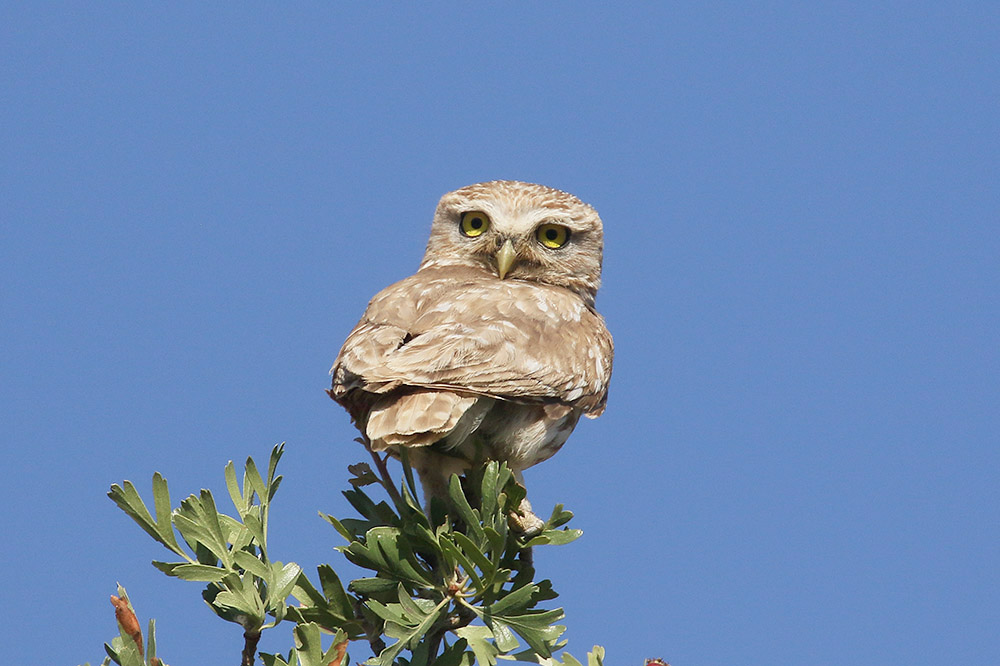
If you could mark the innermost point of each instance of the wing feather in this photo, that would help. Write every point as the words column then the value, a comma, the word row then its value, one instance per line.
column 504, row 339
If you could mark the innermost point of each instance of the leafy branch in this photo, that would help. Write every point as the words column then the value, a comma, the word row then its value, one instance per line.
column 451, row 586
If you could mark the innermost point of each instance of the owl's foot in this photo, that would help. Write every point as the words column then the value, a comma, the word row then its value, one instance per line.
column 524, row 520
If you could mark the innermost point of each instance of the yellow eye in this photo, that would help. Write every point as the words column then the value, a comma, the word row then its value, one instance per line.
column 474, row 223
column 552, row 235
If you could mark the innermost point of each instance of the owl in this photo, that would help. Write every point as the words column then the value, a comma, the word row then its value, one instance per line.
column 493, row 348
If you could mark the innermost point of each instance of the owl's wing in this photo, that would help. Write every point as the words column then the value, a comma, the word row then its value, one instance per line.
column 535, row 344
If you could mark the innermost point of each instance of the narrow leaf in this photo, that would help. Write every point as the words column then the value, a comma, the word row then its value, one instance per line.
column 199, row 572
column 513, row 602
column 272, row 463
column 554, row 538
column 210, row 515
column 128, row 500
column 272, row 488
column 252, row 564
column 473, row 551
column 233, row 486
column 151, row 640
column 344, row 532
column 388, row 612
column 466, row 563
column 333, row 589
column 372, row 586
column 468, row 515
column 256, row 483
column 164, row 514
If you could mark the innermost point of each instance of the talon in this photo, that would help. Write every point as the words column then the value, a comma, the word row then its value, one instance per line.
column 525, row 521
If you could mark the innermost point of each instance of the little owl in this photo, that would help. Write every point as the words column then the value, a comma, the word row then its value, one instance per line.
column 493, row 348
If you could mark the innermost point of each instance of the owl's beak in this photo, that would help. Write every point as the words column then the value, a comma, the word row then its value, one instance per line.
column 505, row 258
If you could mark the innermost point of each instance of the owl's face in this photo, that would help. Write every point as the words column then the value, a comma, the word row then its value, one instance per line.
column 519, row 231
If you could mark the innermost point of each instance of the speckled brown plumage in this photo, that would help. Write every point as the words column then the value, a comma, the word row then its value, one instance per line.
column 463, row 359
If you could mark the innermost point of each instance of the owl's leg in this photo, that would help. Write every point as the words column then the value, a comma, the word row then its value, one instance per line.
column 434, row 470
column 524, row 519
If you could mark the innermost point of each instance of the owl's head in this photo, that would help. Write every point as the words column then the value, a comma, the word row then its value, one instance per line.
column 519, row 231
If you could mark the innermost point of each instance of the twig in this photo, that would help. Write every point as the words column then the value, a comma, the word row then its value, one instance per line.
column 383, row 471
column 249, row 648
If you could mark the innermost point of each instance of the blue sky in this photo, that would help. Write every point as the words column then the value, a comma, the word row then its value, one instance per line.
column 799, row 463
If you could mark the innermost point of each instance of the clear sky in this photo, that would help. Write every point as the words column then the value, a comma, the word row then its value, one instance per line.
column 799, row 463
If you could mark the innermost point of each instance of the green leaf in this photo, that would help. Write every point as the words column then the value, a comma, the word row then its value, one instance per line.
column 272, row 466
column 488, row 506
column 414, row 608
column 204, row 555
column 362, row 475
column 272, row 488
column 413, row 512
column 513, row 602
column 196, row 572
column 372, row 586
column 502, row 636
column 282, row 579
column 495, row 543
column 559, row 517
column 210, row 516
column 167, row 567
column 198, row 521
column 384, row 551
column 249, row 562
column 537, row 630
column 241, row 606
column 234, row 532
column 407, row 471
column 457, row 654
column 408, row 634
column 472, row 550
column 480, row 640
column 515, row 492
column 329, row 608
column 252, row 477
column 128, row 500
column 344, row 532
column 417, row 531
column 468, row 515
column 453, row 551
column 164, row 514
column 544, row 592
column 388, row 656
column 333, row 590
column 233, row 486
column 309, row 645
column 151, row 640
column 554, row 538
column 277, row 659
column 186, row 521
column 253, row 525
column 535, row 627
column 388, row 612
column 380, row 514
column 124, row 652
